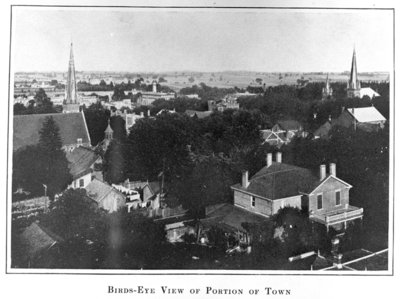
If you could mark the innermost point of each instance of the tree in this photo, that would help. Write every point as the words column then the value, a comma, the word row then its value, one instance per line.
column 41, row 167
column 54, row 164
column 97, row 120
column 114, row 167
column 207, row 183
column 160, row 143
column 19, row 109
column 73, row 215
column 138, row 241
column 296, row 230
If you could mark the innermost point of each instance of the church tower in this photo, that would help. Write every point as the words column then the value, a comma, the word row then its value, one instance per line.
column 108, row 135
column 327, row 90
column 71, row 103
column 353, row 85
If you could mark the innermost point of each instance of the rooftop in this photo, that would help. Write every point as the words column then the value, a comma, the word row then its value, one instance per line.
column 98, row 190
column 280, row 180
column 366, row 114
column 36, row 238
column 80, row 160
column 72, row 126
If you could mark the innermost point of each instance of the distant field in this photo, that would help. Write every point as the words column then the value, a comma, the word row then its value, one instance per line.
column 179, row 80
column 242, row 80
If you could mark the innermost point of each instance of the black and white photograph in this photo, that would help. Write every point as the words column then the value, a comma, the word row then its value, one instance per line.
column 254, row 140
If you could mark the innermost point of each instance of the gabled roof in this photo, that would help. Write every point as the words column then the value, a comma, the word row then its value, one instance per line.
column 369, row 92
column 98, row 190
column 36, row 238
column 366, row 114
column 80, row 161
column 269, row 135
column 280, row 180
column 324, row 129
column 72, row 126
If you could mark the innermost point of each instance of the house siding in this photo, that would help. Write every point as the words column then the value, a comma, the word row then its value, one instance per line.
column 87, row 178
column 328, row 191
column 112, row 202
column 294, row 201
column 262, row 206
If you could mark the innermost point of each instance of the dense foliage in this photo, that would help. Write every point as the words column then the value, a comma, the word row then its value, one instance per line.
column 42, row 166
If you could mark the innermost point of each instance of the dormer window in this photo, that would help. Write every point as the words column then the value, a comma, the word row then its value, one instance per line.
column 79, row 140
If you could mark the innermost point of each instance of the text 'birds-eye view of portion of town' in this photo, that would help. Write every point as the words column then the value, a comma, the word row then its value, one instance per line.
column 200, row 140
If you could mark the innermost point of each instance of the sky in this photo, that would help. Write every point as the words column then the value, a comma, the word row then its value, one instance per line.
column 160, row 40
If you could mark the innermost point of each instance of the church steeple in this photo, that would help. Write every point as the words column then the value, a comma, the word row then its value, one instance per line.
column 70, row 89
column 327, row 90
column 353, row 85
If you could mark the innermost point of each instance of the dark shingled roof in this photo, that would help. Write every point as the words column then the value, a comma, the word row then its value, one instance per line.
column 80, row 160
column 98, row 190
column 36, row 238
column 281, row 180
column 72, row 126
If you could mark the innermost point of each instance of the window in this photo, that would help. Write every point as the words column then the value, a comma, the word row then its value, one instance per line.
column 337, row 198
column 79, row 141
column 81, row 182
column 253, row 201
column 319, row 201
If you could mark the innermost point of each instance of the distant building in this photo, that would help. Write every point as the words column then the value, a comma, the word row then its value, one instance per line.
column 368, row 92
column 327, row 90
column 108, row 136
column 277, row 185
column 353, row 85
column 354, row 89
column 106, row 197
column 282, row 132
column 366, row 118
column 166, row 111
column 228, row 102
column 146, row 98
column 198, row 114
column 73, row 129
column 71, row 102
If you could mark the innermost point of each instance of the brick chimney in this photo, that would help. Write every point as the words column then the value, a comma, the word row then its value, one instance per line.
column 245, row 179
column 332, row 169
column 278, row 157
column 269, row 159
column 322, row 172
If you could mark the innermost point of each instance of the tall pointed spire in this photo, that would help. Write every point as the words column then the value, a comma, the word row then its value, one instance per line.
column 353, row 83
column 327, row 89
column 353, row 86
column 70, row 89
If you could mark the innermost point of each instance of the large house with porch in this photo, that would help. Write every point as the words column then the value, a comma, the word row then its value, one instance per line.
column 277, row 185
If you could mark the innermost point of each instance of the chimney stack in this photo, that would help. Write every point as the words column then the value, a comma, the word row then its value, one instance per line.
column 269, row 159
column 278, row 157
column 322, row 172
column 245, row 179
column 332, row 169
